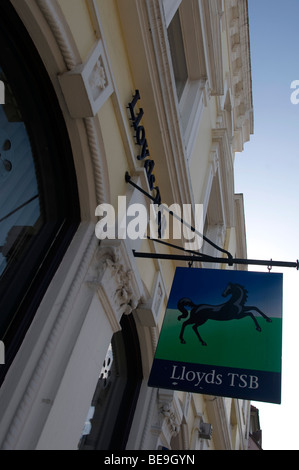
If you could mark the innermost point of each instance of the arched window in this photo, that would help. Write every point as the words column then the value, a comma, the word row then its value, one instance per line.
column 113, row 405
column 39, row 207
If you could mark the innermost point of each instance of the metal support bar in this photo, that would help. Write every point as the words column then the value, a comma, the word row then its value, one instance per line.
column 218, row 248
column 129, row 180
column 211, row 259
column 202, row 257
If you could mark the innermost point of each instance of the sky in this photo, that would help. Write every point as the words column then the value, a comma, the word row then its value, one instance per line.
column 267, row 172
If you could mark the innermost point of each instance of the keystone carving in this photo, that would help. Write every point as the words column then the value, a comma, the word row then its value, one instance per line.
column 169, row 416
column 170, row 419
column 114, row 281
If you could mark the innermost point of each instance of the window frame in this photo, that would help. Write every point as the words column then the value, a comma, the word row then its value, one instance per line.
column 116, row 396
column 27, row 282
column 193, row 97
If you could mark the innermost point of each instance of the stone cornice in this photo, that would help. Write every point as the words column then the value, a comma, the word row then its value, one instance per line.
column 211, row 13
column 221, row 427
column 220, row 140
column 237, row 25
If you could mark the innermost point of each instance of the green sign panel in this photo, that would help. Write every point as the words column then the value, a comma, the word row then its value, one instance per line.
column 222, row 335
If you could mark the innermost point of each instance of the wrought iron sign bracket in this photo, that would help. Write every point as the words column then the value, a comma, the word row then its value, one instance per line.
column 194, row 256
column 211, row 259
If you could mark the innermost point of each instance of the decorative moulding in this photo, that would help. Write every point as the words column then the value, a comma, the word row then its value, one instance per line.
column 170, row 414
column 113, row 278
column 87, row 86
column 148, row 312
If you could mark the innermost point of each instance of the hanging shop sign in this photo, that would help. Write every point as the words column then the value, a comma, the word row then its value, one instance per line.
column 222, row 335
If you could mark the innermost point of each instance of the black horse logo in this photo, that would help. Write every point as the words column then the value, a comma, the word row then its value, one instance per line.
column 233, row 309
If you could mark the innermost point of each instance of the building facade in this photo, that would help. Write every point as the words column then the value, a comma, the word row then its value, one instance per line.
column 95, row 90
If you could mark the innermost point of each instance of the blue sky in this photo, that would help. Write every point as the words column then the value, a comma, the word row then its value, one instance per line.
column 267, row 174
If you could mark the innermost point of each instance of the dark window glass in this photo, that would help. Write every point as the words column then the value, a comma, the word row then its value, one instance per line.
column 177, row 50
column 21, row 215
column 113, row 405
column 39, row 207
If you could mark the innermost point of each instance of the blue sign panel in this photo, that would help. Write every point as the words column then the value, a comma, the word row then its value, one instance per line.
column 222, row 335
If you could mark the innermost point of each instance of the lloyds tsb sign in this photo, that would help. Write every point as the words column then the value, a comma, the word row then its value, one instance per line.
column 222, row 335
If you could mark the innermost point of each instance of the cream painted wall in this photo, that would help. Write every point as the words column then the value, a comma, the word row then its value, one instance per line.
column 78, row 18
column 79, row 21
column 225, row 54
column 118, row 163
column 116, row 50
column 230, row 242
column 146, row 269
column 213, row 112
column 116, row 156
column 200, row 158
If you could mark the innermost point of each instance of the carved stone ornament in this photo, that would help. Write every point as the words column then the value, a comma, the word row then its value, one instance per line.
column 170, row 420
column 149, row 311
column 114, row 280
column 87, row 86
column 98, row 79
column 169, row 416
